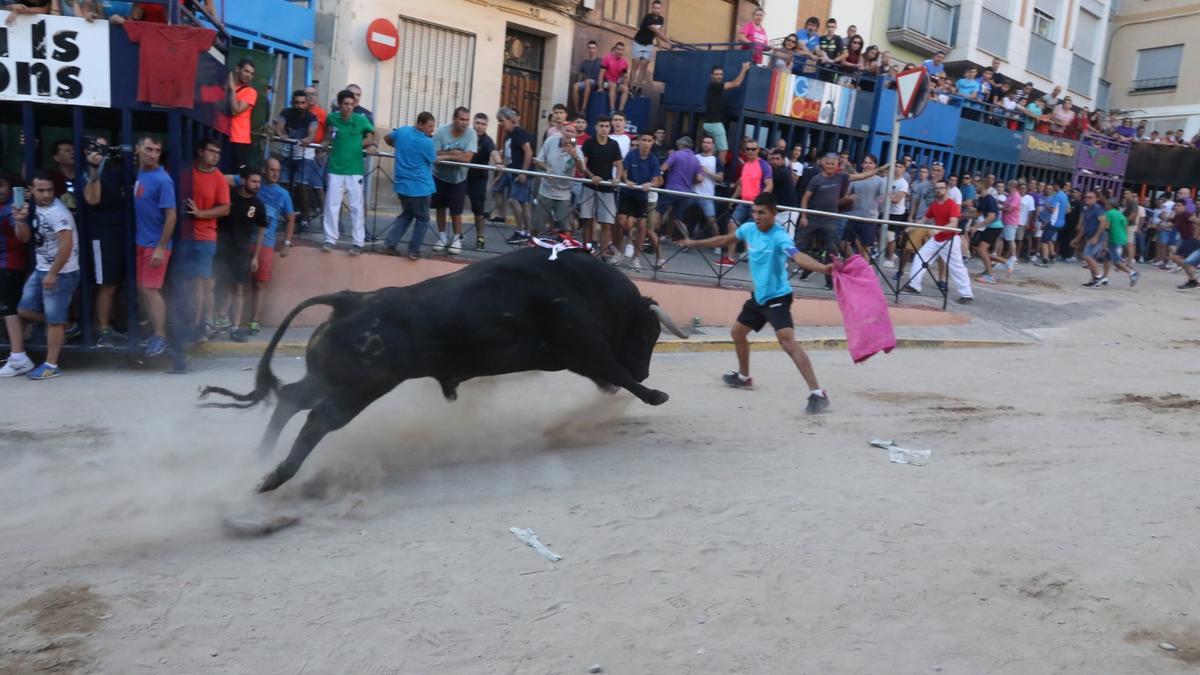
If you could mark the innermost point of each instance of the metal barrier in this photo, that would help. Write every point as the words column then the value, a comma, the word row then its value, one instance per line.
column 721, row 274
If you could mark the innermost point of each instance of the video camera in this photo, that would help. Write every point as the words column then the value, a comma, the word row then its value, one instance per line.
column 91, row 145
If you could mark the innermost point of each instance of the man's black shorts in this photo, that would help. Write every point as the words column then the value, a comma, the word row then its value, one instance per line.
column 990, row 235
column 477, row 192
column 634, row 206
column 108, row 250
column 451, row 196
column 12, row 283
column 776, row 311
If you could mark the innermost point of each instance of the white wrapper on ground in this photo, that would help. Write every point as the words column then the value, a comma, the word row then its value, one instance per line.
column 901, row 455
column 531, row 539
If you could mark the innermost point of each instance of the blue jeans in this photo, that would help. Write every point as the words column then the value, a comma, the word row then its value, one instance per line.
column 412, row 210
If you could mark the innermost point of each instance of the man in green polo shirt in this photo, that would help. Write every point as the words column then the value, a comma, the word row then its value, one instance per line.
column 348, row 134
column 1117, row 225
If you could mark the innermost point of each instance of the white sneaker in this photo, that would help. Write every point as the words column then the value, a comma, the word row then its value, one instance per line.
column 628, row 250
column 637, row 264
column 455, row 247
column 889, row 264
column 440, row 246
column 14, row 368
column 615, row 259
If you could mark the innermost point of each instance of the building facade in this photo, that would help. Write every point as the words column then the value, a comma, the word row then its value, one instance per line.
column 1047, row 42
column 478, row 54
column 1148, row 45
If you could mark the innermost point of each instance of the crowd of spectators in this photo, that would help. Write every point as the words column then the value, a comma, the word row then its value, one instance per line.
column 116, row 11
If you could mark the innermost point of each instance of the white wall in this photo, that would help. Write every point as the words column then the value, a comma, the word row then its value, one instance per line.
column 779, row 17
column 859, row 13
column 349, row 60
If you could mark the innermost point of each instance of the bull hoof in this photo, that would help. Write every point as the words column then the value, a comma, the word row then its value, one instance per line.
column 656, row 397
column 269, row 482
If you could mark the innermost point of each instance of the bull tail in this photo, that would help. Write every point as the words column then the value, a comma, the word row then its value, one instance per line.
column 265, row 382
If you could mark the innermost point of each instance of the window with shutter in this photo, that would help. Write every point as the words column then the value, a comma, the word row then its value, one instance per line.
column 1157, row 68
column 434, row 69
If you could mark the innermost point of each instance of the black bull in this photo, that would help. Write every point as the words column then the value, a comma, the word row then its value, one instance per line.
column 509, row 314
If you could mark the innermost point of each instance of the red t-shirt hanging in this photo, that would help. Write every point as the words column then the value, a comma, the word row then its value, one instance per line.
column 167, row 61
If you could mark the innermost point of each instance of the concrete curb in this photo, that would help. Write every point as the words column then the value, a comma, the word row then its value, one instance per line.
column 290, row 349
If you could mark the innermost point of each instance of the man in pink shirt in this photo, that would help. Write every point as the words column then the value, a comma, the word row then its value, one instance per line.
column 612, row 76
column 1010, row 217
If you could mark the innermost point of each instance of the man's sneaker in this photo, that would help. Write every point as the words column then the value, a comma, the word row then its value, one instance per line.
column 1094, row 283
column 817, row 404
column 966, row 300
column 13, row 368
column 44, row 372
column 71, row 332
column 497, row 219
column 1133, row 278
column 1034, row 259
column 455, row 246
column 221, row 323
column 726, row 261
column 1010, row 266
column 356, row 250
column 253, row 328
column 986, row 279
column 615, row 259
column 517, row 238
column 327, row 247
column 1103, row 281
column 238, row 335
column 636, row 263
column 805, row 274
column 480, row 243
column 1190, row 283
column 156, row 345
column 628, row 250
column 105, row 339
column 439, row 246
column 735, row 379
column 942, row 286
column 889, row 263
column 1041, row 263
column 909, row 289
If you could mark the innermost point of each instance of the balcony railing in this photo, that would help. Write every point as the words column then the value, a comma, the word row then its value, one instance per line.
column 993, row 33
column 1041, row 56
column 925, row 26
column 1155, row 84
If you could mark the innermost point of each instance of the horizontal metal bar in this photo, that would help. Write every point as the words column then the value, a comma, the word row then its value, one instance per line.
column 614, row 184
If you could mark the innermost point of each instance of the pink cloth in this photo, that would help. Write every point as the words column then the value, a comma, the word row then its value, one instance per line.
column 864, row 311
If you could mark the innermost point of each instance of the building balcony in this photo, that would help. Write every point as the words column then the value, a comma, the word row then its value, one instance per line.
column 924, row 26
column 1153, row 84
column 289, row 21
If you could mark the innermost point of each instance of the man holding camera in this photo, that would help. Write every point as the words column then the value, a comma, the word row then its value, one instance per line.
column 105, row 211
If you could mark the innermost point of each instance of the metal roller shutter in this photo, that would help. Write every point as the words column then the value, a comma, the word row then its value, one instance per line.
column 433, row 71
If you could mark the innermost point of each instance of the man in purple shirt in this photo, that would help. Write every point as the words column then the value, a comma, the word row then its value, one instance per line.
column 1185, row 196
column 682, row 169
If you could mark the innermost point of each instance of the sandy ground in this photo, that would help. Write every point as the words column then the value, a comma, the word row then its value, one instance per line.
column 1053, row 531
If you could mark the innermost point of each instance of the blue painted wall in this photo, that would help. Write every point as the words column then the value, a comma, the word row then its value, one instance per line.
column 293, row 22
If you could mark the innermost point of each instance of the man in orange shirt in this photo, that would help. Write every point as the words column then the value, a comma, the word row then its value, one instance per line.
column 208, row 200
column 322, row 115
column 242, row 97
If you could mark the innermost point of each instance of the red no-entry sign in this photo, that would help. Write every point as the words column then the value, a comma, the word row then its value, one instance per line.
column 383, row 40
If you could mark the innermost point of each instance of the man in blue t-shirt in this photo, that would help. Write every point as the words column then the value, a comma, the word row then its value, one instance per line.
column 154, row 211
column 769, row 248
column 280, row 211
column 415, row 156
column 968, row 86
column 936, row 66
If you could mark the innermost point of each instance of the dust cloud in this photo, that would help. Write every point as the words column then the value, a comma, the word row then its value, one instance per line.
column 177, row 469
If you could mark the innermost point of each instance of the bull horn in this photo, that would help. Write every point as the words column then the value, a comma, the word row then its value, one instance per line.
column 666, row 321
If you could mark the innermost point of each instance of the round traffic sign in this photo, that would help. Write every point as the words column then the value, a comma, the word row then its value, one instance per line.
column 383, row 40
